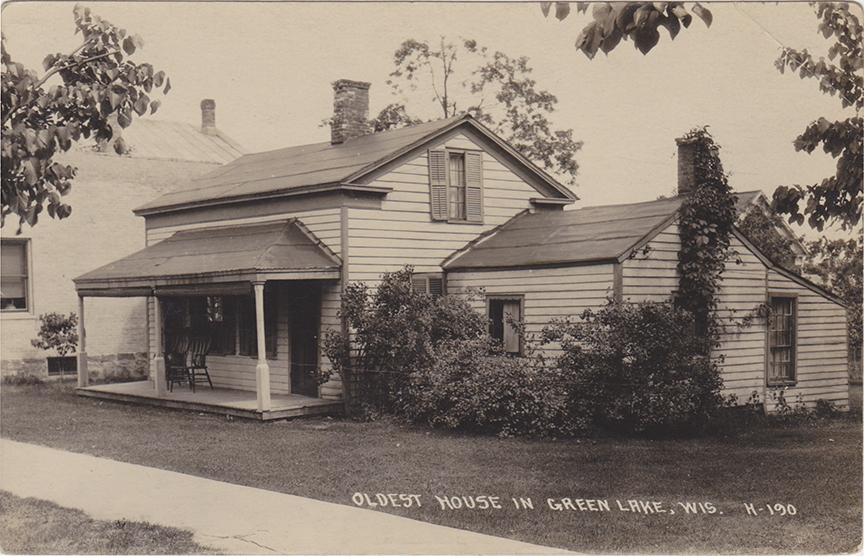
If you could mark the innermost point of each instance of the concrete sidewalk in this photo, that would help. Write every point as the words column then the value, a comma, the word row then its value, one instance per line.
column 232, row 518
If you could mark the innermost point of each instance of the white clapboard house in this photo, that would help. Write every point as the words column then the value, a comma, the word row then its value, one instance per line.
column 255, row 255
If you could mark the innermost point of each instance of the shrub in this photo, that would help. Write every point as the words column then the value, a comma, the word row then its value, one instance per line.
column 639, row 368
column 472, row 385
column 57, row 332
column 395, row 332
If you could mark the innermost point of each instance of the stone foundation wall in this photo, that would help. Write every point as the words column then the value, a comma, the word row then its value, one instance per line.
column 121, row 367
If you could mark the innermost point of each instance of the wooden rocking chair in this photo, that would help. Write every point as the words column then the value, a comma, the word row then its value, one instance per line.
column 197, row 368
column 175, row 361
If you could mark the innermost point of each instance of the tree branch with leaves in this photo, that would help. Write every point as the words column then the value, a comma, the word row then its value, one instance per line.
column 837, row 198
column 86, row 89
column 636, row 21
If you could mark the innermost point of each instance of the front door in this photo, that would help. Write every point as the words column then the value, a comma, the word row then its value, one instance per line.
column 304, row 324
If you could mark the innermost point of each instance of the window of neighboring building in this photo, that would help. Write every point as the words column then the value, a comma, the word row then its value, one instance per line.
column 15, row 275
column 505, row 314
column 456, row 185
column 781, row 340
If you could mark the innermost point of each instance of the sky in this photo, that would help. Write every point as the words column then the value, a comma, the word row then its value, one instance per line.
column 269, row 67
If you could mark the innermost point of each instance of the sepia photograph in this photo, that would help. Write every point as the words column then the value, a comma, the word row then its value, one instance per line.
column 436, row 277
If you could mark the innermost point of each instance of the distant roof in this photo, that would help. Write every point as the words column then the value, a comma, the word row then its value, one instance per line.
column 215, row 254
column 306, row 167
column 164, row 140
column 590, row 234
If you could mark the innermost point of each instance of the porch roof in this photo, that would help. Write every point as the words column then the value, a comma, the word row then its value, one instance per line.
column 223, row 257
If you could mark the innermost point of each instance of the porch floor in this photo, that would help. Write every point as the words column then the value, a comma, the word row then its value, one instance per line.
column 225, row 401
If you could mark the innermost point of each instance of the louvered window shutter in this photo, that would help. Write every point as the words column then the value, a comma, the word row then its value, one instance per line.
column 474, row 187
column 438, row 184
column 436, row 285
column 418, row 284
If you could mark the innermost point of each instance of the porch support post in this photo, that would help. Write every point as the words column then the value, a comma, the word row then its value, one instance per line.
column 159, row 359
column 262, row 370
column 83, row 373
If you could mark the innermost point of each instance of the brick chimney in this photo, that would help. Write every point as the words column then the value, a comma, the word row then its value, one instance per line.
column 208, row 116
column 686, row 165
column 350, row 111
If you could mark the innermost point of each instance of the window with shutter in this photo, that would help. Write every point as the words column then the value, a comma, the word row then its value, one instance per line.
column 505, row 315
column 456, row 185
column 438, row 184
column 432, row 284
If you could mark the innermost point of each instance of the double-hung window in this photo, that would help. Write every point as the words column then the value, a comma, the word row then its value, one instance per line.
column 456, row 185
column 505, row 316
column 14, row 285
column 782, row 324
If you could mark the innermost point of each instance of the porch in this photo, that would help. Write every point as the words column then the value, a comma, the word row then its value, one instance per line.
column 223, row 401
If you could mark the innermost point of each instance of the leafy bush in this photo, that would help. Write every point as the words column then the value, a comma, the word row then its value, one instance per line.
column 57, row 332
column 639, row 367
column 473, row 385
column 395, row 332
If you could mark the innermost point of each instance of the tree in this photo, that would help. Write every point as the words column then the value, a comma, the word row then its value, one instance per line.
column 836, row 199
column 636, row 21
column 87, row 88
column 763, row 229
column 838, row 264
column 499, row 92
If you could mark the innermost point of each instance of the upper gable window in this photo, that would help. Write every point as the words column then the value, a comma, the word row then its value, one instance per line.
column 456, row 185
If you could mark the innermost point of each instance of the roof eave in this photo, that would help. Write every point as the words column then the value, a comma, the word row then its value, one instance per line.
column 295, row 192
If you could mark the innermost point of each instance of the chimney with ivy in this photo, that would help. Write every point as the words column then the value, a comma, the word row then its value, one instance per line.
column 350, row 111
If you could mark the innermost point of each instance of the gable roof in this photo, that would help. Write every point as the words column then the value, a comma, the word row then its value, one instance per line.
column 167, row 140
column 324, row 166
column 591, row 234
column 216, row 255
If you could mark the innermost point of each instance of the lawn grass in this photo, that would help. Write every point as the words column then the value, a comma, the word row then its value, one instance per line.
column 30, row 526
column 815, row 468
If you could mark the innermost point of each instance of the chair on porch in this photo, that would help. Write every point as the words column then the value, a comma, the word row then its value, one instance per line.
column 175, row 360
column 197, row 369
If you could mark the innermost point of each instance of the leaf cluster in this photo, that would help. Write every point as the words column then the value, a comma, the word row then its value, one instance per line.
column 706, row 219
column 58, row 332
column 838, row 265
column 638, row 368
column 763, row 229
column 89, row 87
column 836, row 198
column 394, row 331
column 636, row 21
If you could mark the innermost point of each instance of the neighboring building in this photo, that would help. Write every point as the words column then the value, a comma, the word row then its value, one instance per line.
column 256, row 255
column 39, row 263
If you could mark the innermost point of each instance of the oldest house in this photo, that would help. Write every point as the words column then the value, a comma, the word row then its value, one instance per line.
column 255, row 256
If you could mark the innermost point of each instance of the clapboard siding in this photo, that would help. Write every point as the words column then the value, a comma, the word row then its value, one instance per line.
column 402, row 232
column 549, row 293
column 651, row 275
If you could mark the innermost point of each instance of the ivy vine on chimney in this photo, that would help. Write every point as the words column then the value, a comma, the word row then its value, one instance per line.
column 705, row 222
